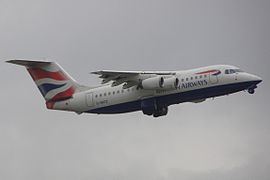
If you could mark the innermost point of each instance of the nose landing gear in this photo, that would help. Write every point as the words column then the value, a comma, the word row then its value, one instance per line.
column 251, row 91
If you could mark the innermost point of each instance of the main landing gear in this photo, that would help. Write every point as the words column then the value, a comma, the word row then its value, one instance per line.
column 151, row 107
column 161, row 111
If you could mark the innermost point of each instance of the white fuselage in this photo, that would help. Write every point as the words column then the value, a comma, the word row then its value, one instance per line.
column 194, row 86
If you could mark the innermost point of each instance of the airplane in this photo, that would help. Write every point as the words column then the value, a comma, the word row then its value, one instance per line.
column 126, row 91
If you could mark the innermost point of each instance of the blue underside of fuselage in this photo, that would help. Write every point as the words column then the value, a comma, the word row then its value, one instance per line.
column 177, row 98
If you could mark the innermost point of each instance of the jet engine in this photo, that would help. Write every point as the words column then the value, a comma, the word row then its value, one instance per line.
column 171, row 83
column 160, row 82
column 153, row 83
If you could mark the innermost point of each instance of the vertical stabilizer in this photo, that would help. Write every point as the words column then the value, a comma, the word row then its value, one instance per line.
column 52, row 81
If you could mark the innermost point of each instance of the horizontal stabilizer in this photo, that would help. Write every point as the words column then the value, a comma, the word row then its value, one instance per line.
column 28, row 63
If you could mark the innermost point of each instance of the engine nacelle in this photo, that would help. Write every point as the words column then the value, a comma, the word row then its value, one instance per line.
column 153, row 83
column 171, row 83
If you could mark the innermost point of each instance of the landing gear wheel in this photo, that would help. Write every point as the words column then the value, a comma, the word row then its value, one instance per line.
column 251, row 91
column 162, row 111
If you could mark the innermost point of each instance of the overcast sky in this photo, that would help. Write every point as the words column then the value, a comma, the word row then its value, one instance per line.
column 226, row 138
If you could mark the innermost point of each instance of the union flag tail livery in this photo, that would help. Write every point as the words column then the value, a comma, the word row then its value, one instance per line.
column 151, row 92
column 52, row 81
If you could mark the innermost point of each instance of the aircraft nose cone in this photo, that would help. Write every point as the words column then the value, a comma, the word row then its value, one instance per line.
column 257, row 79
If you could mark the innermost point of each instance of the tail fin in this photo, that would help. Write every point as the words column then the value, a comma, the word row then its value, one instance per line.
column 52, row 81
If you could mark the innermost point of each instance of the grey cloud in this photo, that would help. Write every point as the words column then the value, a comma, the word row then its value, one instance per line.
column 227, row 138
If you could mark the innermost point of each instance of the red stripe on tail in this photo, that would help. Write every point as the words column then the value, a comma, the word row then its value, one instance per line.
column 63, row 95
column 50, row 104
column 38, row 73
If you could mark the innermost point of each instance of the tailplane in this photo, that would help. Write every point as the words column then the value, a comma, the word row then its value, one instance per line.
column 52, row 81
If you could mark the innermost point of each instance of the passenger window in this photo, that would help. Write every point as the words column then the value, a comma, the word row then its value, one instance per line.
column 109, row 93
column 96, row 95
column 186, row 79
column 122, row 91
column 113, row 92
column 100, row 95
column 182, row 80
column 196, row 77
column 105, row 94
column 227, row 71
column 191, row 78
column 200, row 76
column 118, row 92
column 205, row 76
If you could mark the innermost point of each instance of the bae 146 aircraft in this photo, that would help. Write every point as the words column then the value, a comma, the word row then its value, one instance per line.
column 126, row 91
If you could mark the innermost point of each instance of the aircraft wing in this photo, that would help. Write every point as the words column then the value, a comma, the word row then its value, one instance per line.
column 130, row 78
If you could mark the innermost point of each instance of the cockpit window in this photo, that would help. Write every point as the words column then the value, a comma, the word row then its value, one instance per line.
column 238, row 70
column 232, row 71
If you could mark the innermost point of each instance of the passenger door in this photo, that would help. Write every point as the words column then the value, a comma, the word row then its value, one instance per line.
column 213, row 78
column 89, row 99
column 236, row 74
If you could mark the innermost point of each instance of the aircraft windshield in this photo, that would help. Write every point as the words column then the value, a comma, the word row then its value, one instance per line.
column 232, row 71
column 238, row 70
